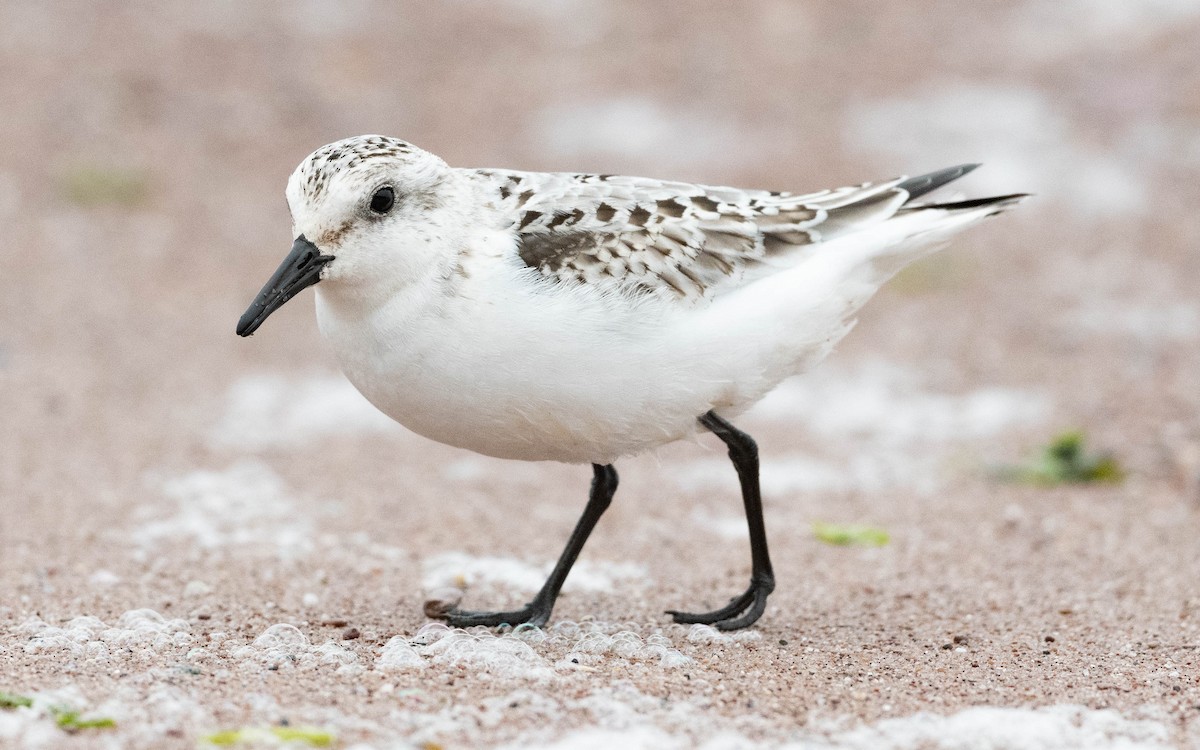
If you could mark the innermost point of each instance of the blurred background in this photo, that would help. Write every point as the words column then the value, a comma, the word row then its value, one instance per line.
column 144, row 149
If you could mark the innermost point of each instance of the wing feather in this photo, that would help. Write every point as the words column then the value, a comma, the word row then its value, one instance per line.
column 678, row 239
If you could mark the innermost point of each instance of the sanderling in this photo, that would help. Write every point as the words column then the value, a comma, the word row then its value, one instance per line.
column 585, row 317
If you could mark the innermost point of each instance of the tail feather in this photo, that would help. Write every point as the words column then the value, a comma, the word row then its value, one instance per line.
column 1000, row 201
column 927, row 183
column 863, row 208
column 817, row 296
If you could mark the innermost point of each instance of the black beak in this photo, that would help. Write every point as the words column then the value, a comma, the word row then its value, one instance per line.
column 300, row 269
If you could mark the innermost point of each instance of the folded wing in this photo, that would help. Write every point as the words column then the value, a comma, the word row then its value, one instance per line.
column 689, row 242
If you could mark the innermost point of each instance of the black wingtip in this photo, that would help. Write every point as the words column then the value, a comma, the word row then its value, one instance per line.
column 927, row 183
column 995, row 200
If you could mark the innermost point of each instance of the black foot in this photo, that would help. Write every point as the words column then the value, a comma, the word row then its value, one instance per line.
column 749, row 606
column 537, row 612
column 534, row 613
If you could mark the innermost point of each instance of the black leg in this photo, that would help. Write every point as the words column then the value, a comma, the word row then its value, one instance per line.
column 745, row 609
column 537, row 611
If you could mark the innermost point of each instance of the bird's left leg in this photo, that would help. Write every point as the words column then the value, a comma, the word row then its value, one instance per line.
column 537, row 611
column 746, row 608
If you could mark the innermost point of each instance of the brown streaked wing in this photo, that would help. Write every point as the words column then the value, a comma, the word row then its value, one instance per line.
column 671, row 238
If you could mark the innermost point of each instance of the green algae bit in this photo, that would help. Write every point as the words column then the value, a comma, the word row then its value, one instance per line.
column 70, row 721
column 1065, row 460
column 65, row 718
column 302, row 735
column 12, row 700
column 848, row 534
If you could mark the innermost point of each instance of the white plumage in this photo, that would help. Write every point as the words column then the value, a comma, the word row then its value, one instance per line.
column 579, row 318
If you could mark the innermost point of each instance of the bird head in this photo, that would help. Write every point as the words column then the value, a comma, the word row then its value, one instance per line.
column 363, row 208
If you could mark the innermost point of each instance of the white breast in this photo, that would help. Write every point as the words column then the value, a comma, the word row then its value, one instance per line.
column 557, row 375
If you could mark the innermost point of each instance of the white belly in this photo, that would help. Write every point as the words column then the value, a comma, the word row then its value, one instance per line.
column 510, row 369
column 544, row 380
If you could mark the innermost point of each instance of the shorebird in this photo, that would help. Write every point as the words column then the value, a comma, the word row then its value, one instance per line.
column 586, row 317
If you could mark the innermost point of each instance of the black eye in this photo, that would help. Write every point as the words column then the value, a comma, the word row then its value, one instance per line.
column 383, row 200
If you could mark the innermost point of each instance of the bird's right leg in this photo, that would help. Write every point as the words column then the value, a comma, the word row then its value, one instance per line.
column 745, row 609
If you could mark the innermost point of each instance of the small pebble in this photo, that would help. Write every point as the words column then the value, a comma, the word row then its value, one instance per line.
column 350, row 633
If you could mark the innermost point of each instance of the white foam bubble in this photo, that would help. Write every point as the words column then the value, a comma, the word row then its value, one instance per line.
column 629, row 720
column 488, row 653
column 104, row 578
column 596, row 644
column 726, row 527
column 526, row 652
column 399, row 655
column 246, row 506
column 34, row 726
column 466, row 469
column 641, row 737
column 145, row 716
column 283, row 637
column 266, row 411
column 139, row 634
column 26, row 728
column 332, row 653
column 701, row 633
column 195, row 589
column 146, row 628
column 1061, row 727
column 72, row 638
column 284, row 646
column 462, row 570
